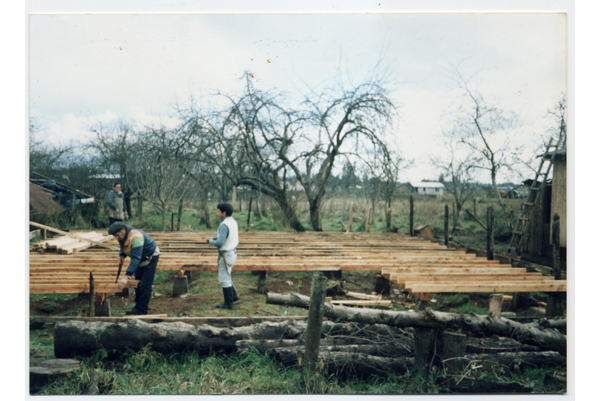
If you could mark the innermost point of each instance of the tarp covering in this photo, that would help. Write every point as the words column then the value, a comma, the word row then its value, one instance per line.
column 42, row 202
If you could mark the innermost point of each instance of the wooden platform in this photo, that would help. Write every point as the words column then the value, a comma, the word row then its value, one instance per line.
column 416, row 264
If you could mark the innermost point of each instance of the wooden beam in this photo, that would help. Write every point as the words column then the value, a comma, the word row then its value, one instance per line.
column 556, row 286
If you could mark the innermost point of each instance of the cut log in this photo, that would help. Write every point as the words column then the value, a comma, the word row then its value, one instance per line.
column 46, row 372
column 549, row 339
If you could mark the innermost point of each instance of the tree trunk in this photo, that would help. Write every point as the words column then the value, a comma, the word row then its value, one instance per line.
column 140, row 205
column 204, row 211
column 315, row 214
column 289, row 214
column 164, row 218
column 548, row 339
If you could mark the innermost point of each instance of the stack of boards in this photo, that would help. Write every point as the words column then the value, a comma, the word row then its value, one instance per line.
column 65, row 245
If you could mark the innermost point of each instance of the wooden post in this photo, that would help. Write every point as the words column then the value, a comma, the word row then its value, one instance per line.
column 368, row 226
column 556, row 246
column 424, row 348
column 92, row 296
column 411, row 218
column 350, row 217
column 44, row 234
column 179, row 213
column 454, row 347
column 315, row 321
column 490, row 233
column 172, row 215
column 73, row 207
column 454, row 216
column 446, row 225
column 496, row 304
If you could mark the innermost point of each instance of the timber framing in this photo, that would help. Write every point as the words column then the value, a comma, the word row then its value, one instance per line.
column 416, row 264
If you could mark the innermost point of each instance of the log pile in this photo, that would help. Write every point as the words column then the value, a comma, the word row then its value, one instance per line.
column 347, row 350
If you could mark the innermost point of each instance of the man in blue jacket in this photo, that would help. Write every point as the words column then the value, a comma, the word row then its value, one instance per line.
column 144, row 253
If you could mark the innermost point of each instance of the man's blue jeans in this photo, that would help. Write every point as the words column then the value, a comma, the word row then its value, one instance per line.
column 143, row 292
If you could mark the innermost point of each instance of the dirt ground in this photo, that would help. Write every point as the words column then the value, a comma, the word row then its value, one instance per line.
column 204, row 294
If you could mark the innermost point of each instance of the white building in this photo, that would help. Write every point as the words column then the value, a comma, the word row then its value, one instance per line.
column 428, row 188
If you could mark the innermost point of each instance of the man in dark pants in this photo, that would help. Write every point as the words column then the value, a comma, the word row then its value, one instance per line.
column 144, row 253
column 117, row 208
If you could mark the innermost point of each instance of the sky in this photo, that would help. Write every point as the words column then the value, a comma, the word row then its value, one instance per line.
column 88, row 68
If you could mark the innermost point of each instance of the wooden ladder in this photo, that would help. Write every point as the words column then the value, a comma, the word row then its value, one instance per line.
column 522, row 226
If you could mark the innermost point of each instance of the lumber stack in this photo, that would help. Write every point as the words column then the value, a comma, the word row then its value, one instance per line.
column 66, row 245
column 416, row 264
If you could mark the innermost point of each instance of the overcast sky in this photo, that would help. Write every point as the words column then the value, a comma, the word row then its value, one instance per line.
column 86, row 68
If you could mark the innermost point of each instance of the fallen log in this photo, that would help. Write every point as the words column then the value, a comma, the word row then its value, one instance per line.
column 512, row 359
column 495, row 344
column 346, row 365
column 85, row 337
column 354, row 345
column 549, row 339
column 479, row 386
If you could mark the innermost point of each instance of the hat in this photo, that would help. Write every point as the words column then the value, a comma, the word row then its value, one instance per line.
column 115, row 227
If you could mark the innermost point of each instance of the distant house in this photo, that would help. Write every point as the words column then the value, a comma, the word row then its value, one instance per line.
column 428, row 188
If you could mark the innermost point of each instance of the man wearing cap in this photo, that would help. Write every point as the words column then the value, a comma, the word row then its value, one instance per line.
column 117, row 209
column 226, row 242
column 144, row 253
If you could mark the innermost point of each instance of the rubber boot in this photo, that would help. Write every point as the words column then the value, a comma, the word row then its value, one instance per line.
column 235, row 294
column 228, row 296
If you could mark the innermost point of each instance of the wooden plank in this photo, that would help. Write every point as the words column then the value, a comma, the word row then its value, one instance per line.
column 556, row 286
column 362, row 296
column 31, row 223
column 381, row 302
column 73, row 288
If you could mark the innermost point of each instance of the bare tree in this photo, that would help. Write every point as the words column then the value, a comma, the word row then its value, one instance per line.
column 158, row 174
column 458, row 167
column 341, row 121
column 489, row 131
column 45, row 158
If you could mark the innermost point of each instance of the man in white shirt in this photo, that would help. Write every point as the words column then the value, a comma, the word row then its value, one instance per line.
column 226, row 242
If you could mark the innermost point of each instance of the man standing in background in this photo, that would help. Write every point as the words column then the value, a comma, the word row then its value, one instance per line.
column 117, row 209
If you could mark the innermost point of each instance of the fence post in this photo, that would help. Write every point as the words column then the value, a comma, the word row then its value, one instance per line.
column 490, row 233
column 411, row 218
column 315, row 321
column 92, row 296
column 446, row 225
column 350, row 218
column 368, row 225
